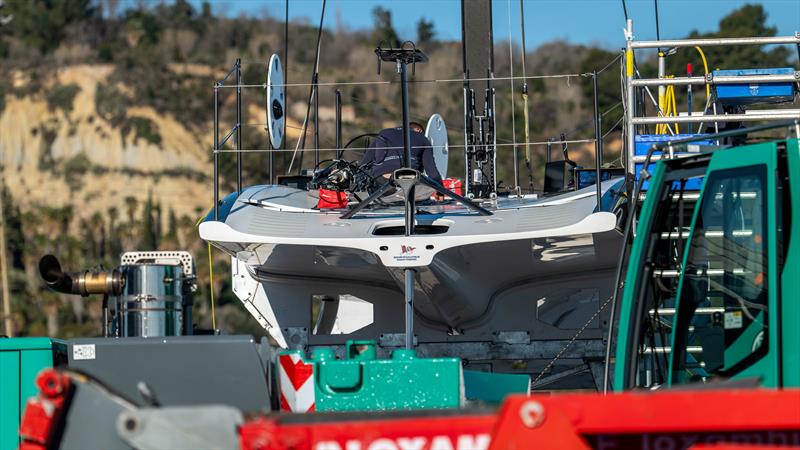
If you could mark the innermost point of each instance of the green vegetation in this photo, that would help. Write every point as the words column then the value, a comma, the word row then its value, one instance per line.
column 110, row 103
column 74, row 169
column 145, row 129
column 62, row 96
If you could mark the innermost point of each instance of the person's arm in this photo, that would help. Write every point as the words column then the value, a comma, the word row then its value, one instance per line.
column 429, row 164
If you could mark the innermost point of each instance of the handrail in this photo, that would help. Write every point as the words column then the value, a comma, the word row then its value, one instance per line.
column 712, row 79
column 718, row 42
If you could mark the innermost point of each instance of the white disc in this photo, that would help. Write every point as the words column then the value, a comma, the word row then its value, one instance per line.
column 276, row 105
column 436, row 132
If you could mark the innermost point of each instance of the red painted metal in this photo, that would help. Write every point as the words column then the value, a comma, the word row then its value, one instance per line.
column 664, row 420
column 369, row 431
column 43, row 412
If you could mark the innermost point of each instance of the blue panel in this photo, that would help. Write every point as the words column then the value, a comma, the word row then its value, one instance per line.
column 643, row 142
column 693, row 184
column 748, row 94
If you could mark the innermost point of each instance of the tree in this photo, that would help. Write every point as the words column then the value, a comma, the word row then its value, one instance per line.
column 384, row 32
column 41, row 23
column 749, row 20
column 426, row 34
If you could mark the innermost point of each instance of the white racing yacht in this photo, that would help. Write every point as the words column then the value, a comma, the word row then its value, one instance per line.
column 506, row 283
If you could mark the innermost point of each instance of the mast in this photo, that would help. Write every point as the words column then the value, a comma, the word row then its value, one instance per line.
column 479, row 116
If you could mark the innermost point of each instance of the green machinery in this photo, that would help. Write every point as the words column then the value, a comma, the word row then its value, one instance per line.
column 361, row 382
column 21, row 359
column 712, row 287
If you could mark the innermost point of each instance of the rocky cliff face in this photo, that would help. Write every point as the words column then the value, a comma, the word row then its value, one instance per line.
column 57, row 155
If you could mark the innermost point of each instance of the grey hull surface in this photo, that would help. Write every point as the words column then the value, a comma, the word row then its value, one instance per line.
column 533, row 273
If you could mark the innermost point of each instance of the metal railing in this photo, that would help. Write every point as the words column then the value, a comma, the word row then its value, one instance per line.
column 632, row 83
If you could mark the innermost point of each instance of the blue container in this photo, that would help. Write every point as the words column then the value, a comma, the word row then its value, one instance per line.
column 643, row 143
column 748, row 94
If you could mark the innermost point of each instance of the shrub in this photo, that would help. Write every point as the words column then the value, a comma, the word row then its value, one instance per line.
column 110, row 103
column 62, row 97
column 145, row 129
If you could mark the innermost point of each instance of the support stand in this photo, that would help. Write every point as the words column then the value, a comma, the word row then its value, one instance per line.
column 406, row 179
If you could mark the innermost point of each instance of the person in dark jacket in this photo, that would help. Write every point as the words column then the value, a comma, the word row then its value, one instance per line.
column 386, row 153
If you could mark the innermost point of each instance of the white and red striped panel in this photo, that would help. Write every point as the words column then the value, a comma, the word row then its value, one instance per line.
column 296, row 383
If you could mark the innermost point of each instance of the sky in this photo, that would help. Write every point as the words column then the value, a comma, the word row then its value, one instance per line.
column 598, row 22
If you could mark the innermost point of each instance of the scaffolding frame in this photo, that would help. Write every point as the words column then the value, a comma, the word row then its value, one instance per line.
column 632, row 119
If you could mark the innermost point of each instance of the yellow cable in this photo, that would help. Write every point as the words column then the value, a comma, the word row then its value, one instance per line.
column 705, row 67
column 211, row 284
column 675, row 109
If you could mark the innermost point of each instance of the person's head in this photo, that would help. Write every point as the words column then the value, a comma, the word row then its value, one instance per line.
column 416, row 126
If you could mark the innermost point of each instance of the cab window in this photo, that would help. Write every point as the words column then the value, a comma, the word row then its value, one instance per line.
column 722, row 319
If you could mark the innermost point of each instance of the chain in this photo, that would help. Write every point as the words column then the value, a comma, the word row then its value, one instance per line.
column 571, row 341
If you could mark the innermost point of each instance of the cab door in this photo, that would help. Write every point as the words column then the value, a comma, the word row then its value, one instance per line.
column 726, row 323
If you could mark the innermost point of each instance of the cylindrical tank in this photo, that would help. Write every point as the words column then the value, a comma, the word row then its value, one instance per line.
column 151, row 303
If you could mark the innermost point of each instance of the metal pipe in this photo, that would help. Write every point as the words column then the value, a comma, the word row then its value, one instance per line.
column 316, row 121
column 339, row 123
column 227, row 136
column 662, row 88
column 285, row 93
column 409, row 297
column 715, row 118
column 719, row 41
column 401, row 68
column 711, row 80
column 216, row 153
column 598, row 136
column 238, row 125
column 629, row 111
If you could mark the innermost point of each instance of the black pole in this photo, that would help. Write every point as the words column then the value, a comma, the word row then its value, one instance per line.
column 238, row 125
column 316, row 121
column 285, row 91
column 338, row 124
column 598, row 141
column 409, row 309
column 313, row 89
column 216, row 153
column 401, row 67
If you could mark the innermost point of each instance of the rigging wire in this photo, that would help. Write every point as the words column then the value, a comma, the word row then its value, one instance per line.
column 525, row 114
column 314, row 80
column 436, row 80
column 658, row 32
column 511, row 94
column 625, row 10
column 334, row 149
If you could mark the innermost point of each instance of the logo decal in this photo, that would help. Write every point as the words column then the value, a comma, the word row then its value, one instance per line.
column 407, row 249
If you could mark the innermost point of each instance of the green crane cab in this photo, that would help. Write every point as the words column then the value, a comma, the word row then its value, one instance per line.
column 712, row 287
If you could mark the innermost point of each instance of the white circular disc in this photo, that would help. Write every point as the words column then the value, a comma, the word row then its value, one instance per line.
column 436, row 132
column 276, row 105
